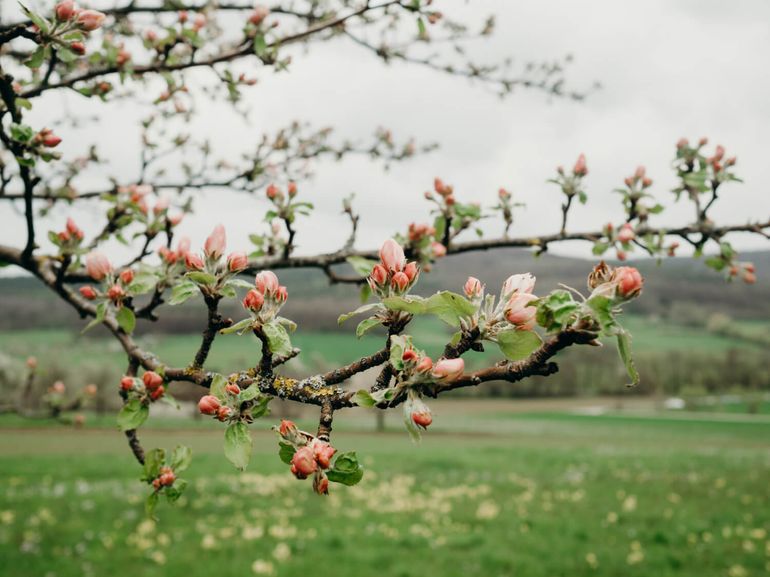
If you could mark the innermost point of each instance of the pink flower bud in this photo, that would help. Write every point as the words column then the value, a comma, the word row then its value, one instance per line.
column 447, row 370
column 183, row 246
column 409, row 355
column 48, row 139
column 237, row 261
column 399, row 281
column 422, row 418
column 646, row 182
column 520, row 283
column 87, row 292
column 32, row 363
column 720, row 152
column 259, row 14
column 199, row 21
column 439, row 186
column 321, row 484
column 503, row 194
column 167, row 479
column 97, row 266
column 193, row 261
column 303, row 463
column 626, row 233
column 640, row 172
column 90, row 20
column 223, row 413
column 158, row 393
column 116, row 293
column 127, row 383
column 272, row 191
column 628, row 280
column 208, row 405
column 183, row 16
column 379, row 275
column 65, row 10
column 392, row 255
column 73, row 229
column 323, row 453
column 267, row 282
column 703, row 141
column 215, row 244
column 58, row 387
column 518, row 313
column 410, row 270
column 63, row 236
column 620, row 254
column 682, row 143
column 90, row 390
column 160, row 206
column 424, row 365
column 580, row 168
column 127, row 276
column 233, row 389
column 152, row 380
column 282, row 294
column 292, row 189
column 253, row 300
column 438, row 249
column 629, row 182
column 287, row 428
column 731, row 161
column 473, row 287
column 749, row 278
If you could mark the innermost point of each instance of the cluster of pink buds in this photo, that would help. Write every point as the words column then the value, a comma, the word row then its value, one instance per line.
column 178, row 255
column 213, row 251
column 622, row 283
column 312, row 456
column 745, row 270
column 46, row 138
column 221, row 410
column 393, row 275
column 69, row 17
column 277, row 196
column 639, row 177
column 266, row 298
column 165, row 478
column 149, row 386
column 99, row 268
column 71, row 237
column 718, row 161
column 418, row 232
column 445, row 192
column 517, row 296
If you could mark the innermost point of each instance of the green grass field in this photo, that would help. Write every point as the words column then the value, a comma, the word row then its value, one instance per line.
column 321, row 348
column 505, row 493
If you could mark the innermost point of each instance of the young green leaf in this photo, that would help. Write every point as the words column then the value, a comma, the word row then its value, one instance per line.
column 133, row 414
column 238, row 445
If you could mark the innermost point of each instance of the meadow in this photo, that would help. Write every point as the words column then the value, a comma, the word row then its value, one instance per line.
column 498, row 488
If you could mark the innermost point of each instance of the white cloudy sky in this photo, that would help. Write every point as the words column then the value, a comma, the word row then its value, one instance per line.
column 668, row 69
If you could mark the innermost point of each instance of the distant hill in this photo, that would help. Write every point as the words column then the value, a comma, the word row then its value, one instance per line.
column 680, row 287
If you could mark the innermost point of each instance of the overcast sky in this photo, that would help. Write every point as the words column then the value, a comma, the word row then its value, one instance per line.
column 668, row 69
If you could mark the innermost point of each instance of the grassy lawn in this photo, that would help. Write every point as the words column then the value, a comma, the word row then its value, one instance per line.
column 535, row 494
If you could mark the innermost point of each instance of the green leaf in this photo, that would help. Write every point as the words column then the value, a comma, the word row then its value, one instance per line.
column 217, row 388
column 518, row 345
column 366, row 325
column 181, row 458
column 142, row 284
column 286, row 452
column 38, row 20
column 183, row 291
column 249, row 393
column 240, row 283
column 126, row 319
column 602, row 309
column 366, row 292
column 37, row 57
column 150, row 504
column 203, row 278
column 361, row 265
column 346, row 470
column 363, row 398
column 175, row 491
column 153, row 460
column 277, row 338
column 238, row 327
column 413, row 304
column 398, row 344
column 450, row 307
column 238, row 445
column 362, row 309
column 132, row 415
column 556, row 310
column 624, row 348
column 101, row 310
